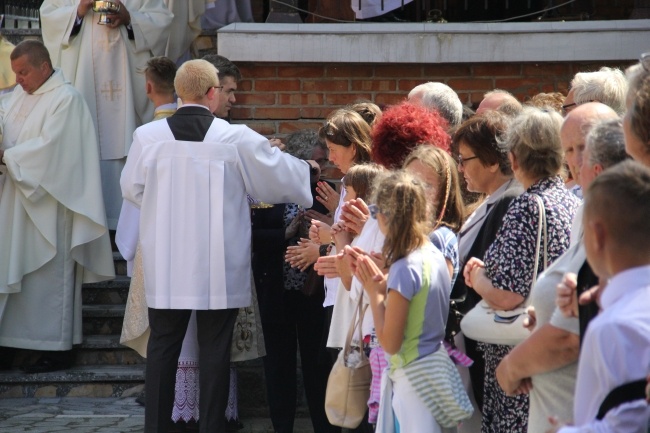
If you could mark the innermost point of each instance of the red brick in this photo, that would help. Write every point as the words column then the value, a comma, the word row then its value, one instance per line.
column 314, row 112
column 277, row 113
column 514, row 84
column 374, row 85
column 545, row 69
column 277, row 85
column 476, row 97
column 346, row 98
column 347, row 71
column 300, row 99
column 289, row 127
column 245, row 86
column 407, row 85
column 466, row 98
column 325, row 85
column 255, row 98
column 253, row 70
column 301, row 72
column 241, row 113
column 492, row 70
column 264, row 128
column 470, row 84
column 386, row 99
column 398, row 71
column 436, row 72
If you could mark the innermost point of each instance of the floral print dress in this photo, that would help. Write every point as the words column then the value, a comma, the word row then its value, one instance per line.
column 509, row 263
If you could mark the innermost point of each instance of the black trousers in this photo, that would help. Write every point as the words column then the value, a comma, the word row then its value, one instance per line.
column 214, row 332
column 299, row 327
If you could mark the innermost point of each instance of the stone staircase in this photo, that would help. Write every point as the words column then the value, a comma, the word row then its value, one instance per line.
column 104, row 368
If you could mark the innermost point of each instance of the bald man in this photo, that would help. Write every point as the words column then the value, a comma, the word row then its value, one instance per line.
column 574, row 130
column 499, row 100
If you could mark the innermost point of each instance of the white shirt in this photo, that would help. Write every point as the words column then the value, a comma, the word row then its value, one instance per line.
column 616, row 350
column 195, row 228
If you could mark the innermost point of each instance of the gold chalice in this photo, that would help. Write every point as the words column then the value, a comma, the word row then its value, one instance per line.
column 104, row 8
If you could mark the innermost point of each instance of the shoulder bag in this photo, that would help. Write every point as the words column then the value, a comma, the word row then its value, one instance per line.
column 348, row 387
column 487, row 325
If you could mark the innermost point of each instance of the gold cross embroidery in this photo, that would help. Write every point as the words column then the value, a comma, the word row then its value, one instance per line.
column 111, row 91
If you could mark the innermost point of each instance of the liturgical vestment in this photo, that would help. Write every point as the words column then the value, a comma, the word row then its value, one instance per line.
column 106, row 67
column 53, row 234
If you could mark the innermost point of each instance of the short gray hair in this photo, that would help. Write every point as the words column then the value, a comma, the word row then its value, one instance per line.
column 607, row 85
column 440, row 97
column 534, row 139
column 301, row 144
column 606, row 143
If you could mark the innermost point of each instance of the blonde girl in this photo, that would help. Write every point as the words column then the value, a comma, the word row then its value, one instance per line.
column 409, row 308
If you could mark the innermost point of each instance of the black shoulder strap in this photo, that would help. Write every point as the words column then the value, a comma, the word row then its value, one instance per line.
column 622, row 394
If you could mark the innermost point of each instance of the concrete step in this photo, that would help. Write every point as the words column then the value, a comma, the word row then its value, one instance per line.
column 107, row 292
column 105, row 350
column 78, row 381
column 103, row 319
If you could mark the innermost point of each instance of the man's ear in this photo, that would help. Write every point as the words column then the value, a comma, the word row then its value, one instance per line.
column 598, row 168
column 599, row 234
column 149, row 87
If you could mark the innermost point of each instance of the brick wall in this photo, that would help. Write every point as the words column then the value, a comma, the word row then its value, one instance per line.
column 277, row 99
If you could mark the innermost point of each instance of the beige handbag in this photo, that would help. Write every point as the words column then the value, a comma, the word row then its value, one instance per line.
column 487, row 325
column 348, row 388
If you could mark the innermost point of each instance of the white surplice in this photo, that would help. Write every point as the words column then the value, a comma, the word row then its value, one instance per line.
column 53, row 234
column 195, row 225
column 106, row 67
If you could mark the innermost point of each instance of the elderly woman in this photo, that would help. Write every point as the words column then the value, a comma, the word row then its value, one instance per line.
column 486, row 169
column 549, row 355
column 503, row 279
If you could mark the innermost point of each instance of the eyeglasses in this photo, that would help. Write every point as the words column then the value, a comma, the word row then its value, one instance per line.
column 462, row 161
column 374, row 210
column 214, row 87
column 645, row 61
column 566, row 109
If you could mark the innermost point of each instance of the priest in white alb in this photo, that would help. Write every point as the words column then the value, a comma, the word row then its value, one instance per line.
column 105, row 63
column 53, row 234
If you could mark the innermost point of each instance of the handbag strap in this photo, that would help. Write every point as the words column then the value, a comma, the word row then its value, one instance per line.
column 359, row 313
column 542, row 232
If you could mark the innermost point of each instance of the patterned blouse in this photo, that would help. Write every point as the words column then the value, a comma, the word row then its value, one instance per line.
column 509, row 261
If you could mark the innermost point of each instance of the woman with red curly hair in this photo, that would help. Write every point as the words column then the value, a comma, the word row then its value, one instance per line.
column 402, row 128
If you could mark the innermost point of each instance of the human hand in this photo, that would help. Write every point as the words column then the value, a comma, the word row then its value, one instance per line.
column 327, row 196
column 320, row 233
column 592, row 294
column 122, row 17
column 340, row 235
column 294, row 226
column 469, row 272
column 371, row 277
column 315, row 215
column 344, row 266
column 304, row 254
column 511, row 385
column 326, row 266
column 565, row 295
column 276, row 142
column 354, row 214
column 531, row 319
column 83, row 7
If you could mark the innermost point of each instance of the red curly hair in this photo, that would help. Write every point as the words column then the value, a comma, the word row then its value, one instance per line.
column 403, row 127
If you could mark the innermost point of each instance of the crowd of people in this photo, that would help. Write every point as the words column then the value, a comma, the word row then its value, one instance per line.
column 242, row 247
